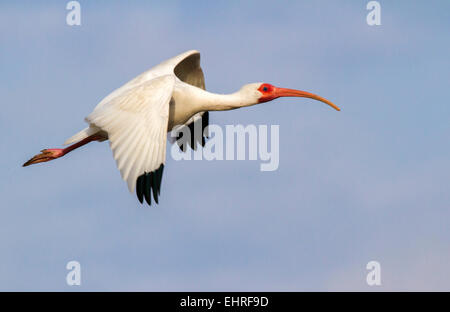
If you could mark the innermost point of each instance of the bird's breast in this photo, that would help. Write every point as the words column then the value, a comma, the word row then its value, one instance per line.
column 179, row 112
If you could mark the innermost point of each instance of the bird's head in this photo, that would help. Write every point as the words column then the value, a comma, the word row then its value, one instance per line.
column 264, row 92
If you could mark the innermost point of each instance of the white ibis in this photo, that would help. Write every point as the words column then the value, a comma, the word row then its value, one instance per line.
column 136, row 117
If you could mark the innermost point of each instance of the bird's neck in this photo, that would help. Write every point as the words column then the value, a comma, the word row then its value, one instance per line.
column 207, row 101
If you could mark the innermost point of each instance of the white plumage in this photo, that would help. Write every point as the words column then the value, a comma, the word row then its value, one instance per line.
column 136, row 124
column 134, row 118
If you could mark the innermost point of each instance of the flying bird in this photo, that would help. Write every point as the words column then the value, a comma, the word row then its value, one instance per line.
column 136, row 117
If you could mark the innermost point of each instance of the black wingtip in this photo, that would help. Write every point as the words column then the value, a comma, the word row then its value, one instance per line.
column 147, row 189
column 155, row 185
column 205, row 123
column 181, row 144
column 140, row 188
column 194, row 140
column 148, row 184
column 160, row 174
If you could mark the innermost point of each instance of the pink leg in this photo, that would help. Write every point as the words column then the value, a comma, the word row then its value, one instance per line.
column 53, row 153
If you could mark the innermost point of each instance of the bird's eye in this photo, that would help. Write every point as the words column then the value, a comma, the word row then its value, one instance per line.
column 265, row 87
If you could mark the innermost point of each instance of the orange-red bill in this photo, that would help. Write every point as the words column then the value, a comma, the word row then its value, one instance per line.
column 297, row 93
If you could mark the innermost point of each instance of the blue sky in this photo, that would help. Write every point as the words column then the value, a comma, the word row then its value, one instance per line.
column 367, row 183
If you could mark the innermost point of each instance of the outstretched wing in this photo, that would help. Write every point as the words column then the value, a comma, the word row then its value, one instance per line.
column 189, row 71
column 196, row 125
column 136, row 124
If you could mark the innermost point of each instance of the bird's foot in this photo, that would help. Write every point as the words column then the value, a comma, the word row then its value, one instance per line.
column 45, row 155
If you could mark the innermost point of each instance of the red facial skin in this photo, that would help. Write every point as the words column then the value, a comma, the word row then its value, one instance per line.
column 270, row 92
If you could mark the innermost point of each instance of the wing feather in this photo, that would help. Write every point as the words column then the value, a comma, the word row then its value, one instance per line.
column 136, row 123
column 189, row 71
column 135, row 118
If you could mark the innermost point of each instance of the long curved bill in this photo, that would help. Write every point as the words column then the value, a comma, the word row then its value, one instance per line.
column 279, row 92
